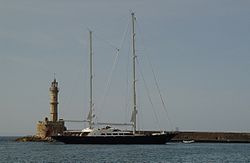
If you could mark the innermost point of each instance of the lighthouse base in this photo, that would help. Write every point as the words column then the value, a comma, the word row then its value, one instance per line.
column 45, row 129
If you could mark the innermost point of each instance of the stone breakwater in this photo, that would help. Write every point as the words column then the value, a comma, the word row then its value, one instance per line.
column 213, row 137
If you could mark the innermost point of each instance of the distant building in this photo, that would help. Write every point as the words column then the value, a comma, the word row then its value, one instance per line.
column 51, row 126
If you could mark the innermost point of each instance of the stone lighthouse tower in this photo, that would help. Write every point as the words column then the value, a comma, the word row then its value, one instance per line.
column 52, row 126
column 54, row 101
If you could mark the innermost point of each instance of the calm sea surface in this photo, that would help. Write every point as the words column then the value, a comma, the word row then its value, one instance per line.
column 11, row 151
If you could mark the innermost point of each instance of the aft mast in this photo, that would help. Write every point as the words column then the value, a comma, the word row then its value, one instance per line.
column 134, row 112
column 90, row 115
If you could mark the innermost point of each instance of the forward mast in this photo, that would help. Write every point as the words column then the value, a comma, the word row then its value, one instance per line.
column 90, row 115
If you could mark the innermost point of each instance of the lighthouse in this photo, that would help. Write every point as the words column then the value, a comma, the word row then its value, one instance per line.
column 53, row 125
column 54, row 101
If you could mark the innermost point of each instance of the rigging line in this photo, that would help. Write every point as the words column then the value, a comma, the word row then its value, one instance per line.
column 110, row 76
column 156, row 82
column 127, row 104
column 107, row 42
column 128, row 56
column 148, row 94
column 141, row 38
column 127, row 77
column 159, row 91
column 114, row 66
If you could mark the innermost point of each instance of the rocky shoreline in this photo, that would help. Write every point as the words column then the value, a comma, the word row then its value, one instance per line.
column 34, row 139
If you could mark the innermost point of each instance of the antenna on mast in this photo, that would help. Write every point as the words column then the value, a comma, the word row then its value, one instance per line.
column 54, row 75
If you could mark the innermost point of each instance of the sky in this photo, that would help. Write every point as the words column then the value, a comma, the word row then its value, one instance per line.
column 199, row 51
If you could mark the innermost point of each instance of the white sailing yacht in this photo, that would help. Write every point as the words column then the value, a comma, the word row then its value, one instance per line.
column 108, row 134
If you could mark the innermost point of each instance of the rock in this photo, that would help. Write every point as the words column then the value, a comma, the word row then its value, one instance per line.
column 34, row 139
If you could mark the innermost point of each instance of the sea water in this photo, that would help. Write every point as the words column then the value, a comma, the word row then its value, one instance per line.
column 11, row 151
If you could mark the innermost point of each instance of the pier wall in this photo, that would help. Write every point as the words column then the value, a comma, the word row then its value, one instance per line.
column 221, row 137
column 209, row 137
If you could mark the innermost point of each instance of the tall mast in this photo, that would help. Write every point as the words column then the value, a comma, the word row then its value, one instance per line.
column 133, row 119
column 90, row 115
